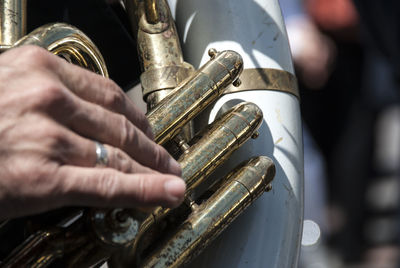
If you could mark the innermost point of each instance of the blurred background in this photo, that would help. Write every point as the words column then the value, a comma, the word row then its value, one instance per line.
column 346, row 59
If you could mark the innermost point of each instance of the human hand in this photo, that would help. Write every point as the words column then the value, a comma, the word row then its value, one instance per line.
column 50, row 114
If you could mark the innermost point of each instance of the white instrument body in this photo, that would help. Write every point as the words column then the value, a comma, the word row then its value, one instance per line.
column 268, row 233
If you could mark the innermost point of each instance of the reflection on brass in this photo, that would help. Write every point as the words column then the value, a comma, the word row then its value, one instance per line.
column 266, row 79
column 33, row 247
column 212, row 148
column 269, row 188
column 152, row 15
column 240, row 188
column 222, row 138
column 45, row 246
column 192, row 96
column 159, row 52
column 69, row 43
column 159, row 49
column 12, row 22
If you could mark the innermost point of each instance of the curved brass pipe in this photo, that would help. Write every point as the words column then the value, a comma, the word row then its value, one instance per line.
column 194, row 94
column 159, row 49
column 69, row 43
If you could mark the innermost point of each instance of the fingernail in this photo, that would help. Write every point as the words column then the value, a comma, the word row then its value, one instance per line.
column 175, row 190
column 175, row 167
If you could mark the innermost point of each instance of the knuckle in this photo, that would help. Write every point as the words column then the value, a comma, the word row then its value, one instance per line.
column 120, row 161
column 39, row 178
column 127, row 133
column 110, row 85
column 52, row 141
column 159, row 157
column 43, row 177
column 35, row 55
column 53, row 137
column 114, row 97
column 49, row 94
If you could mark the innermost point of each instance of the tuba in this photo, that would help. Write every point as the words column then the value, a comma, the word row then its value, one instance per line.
column 233, row 121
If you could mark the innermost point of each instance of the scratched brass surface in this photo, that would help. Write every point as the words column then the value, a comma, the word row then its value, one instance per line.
column 242, row 187
column 12, row 22
column 160, row 53
column 266, row 79
column 159, row 49
column 69, row 43
column 194, row 94
column 222, row 138
column 212, row 148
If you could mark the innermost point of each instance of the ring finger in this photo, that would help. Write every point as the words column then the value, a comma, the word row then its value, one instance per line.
column 73, row 149
column 91, row 120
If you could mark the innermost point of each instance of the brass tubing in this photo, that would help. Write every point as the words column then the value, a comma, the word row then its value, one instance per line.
column 151, row 8
column 266, row 79
column 193, row 95
column 32, row 252
column 12, row 22
column 69, row 43
column 44, row 247
column 223, row 137
column 214, row 147
column 242, row 187
column 159, row 49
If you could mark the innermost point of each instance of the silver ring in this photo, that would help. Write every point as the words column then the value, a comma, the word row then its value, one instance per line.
column 101, row 155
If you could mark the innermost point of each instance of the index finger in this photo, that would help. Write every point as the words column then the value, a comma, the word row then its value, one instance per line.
column 110, row 188
column 102, row 91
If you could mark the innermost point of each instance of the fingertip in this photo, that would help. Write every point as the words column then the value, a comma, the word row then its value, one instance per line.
column 175, row 191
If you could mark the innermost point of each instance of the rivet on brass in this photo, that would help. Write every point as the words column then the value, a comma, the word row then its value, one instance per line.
column 255, row 135
column 269, row 188
column 212, row 52
column 237, row 82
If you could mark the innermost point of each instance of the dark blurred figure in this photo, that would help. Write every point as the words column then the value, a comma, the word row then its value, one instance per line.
column 380, row 24
column 350, row 95
column 334, row 112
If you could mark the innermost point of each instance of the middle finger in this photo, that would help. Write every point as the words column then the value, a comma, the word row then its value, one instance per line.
column 73, row 149
column 95, row 122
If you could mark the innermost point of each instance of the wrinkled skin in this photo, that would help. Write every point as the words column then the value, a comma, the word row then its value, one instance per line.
column 50, row 114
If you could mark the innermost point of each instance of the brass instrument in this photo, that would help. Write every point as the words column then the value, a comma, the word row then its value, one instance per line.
column 61, row 39
column 175, row 94
column 241, row 187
